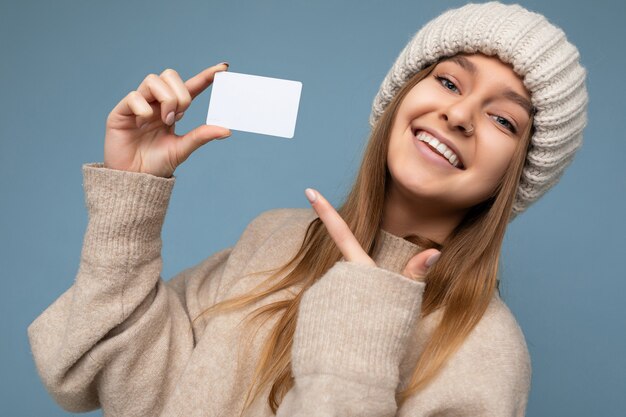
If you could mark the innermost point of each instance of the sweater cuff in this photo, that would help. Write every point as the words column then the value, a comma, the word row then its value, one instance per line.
column 355, row 322
column 126, row 213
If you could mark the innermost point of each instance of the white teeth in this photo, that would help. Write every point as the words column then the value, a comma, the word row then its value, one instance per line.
column 440, row 147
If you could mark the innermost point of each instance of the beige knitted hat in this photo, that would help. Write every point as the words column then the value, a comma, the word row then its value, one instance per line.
column 538, row 51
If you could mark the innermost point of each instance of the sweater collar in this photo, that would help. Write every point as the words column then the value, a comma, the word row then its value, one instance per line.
column 394, row 251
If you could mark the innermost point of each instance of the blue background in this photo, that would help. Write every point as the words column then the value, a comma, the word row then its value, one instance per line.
column 65, row 64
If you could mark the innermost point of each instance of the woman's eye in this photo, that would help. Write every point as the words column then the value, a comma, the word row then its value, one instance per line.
column 445, row 82
column 507, row 124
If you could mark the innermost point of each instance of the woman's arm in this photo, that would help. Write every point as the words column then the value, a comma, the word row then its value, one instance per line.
column 352, row 331
column 119, row 336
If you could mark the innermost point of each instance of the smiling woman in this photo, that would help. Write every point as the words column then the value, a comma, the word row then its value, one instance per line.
column 453, row 137
column 387, row 306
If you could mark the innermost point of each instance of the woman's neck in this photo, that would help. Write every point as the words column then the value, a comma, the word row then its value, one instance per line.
column 403, row 217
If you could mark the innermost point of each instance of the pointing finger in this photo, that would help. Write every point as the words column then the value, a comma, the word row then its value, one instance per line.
column 338, row 229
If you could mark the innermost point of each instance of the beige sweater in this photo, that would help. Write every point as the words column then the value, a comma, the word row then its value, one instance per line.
column 120, row 337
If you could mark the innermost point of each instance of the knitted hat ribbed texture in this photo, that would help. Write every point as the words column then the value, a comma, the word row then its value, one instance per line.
column 538, row 51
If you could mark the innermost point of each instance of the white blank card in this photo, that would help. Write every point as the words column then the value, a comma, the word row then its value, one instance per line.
column 256, row 104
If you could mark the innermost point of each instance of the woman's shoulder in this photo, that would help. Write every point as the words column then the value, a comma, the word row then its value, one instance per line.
column 269, row 240
column 262, row 231
column 501, row 324
column 276, row 223
column 497, row 334
column 498, row 346
column 272, row 220
column 490, row 373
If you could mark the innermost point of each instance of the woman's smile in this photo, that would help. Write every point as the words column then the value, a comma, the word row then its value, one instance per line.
column 435, row 146
column 432, row 155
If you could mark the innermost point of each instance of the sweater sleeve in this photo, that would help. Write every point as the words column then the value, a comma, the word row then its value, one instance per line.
column 119, row 336
column 352, row 331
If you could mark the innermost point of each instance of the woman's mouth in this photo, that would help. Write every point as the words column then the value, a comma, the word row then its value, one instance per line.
column 442, row 152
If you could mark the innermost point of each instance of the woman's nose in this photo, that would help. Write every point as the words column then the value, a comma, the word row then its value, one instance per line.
column 459, row 116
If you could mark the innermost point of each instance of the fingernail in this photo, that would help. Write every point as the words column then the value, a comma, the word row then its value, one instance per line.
column 432, row 259
column 169, row 119
column 224, row 63
column 179, row 115
column 310, row 194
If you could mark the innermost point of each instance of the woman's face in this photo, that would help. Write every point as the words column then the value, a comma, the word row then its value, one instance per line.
column 478, row 107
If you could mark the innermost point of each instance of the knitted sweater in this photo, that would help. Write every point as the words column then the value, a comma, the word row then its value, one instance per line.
column 121, row 337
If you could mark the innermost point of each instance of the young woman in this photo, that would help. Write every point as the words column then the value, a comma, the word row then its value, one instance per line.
column 386, row 306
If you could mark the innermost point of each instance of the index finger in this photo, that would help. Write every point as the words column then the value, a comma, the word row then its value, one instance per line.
column 339, row 230
column 198, row 83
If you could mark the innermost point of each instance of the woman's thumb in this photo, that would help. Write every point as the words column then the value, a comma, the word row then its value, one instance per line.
column 417, row 267
column 199, row 136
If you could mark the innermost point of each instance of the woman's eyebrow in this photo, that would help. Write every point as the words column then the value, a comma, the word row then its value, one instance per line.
column 507, row 93
column 464, row 63
column 516, row 98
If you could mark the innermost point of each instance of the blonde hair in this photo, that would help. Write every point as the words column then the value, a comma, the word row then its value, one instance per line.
column 462, row 282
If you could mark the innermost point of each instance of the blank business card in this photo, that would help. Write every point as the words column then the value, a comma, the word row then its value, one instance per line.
column 256, row 104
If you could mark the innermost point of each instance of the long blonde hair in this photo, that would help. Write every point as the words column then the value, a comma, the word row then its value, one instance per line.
column 463, row 280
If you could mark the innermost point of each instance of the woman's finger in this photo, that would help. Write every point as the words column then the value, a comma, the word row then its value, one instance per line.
column 134, row 104
column 338, row 229
column 174, row 81
column 191, row 141
column 153, row 88
column 417, row 267
column 198, row 83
